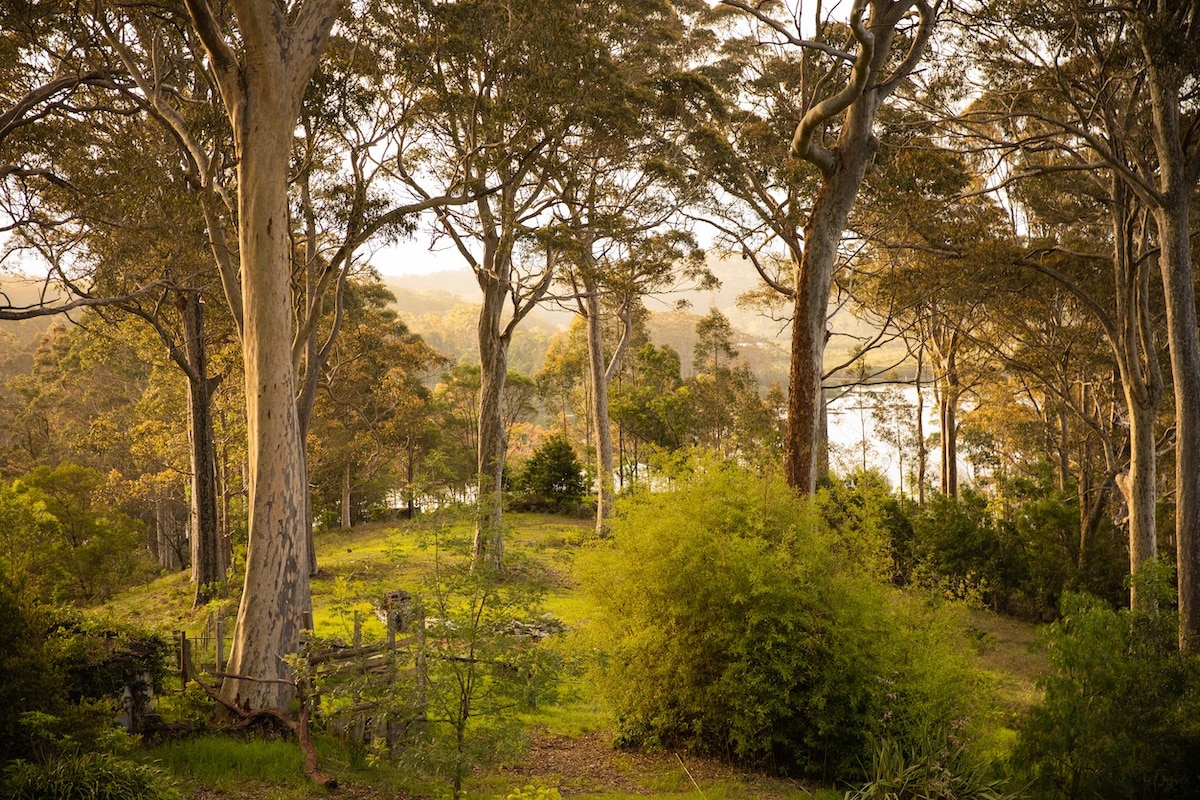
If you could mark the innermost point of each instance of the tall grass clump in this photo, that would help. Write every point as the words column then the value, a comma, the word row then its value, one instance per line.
column 96, row 776
column 728, row 623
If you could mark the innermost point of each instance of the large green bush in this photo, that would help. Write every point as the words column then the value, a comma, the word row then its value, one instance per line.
column 60, row 542
column 728, row 625
column 61, row 677
column 1121, row 712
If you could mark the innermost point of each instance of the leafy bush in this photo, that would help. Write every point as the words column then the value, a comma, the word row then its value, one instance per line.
column 58, row 542
column 63, row 675
column 29, row 682
column 97, row 776
column 870, row 524
column 534, row 792
column 1121, row 712
column 729, row 625
column 551, row 480
column 963, row 549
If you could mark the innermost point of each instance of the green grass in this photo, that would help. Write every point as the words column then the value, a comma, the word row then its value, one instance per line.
column 358, row 567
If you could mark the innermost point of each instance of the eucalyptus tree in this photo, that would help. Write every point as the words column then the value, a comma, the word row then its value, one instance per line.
column 506, row 87
column 833, row 130
column 1091, row 89
column 262, row 60
column 621, row 190
column 109, row 248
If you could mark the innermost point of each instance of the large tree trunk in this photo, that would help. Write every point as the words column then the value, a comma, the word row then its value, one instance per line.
column 812, row 281
column 262, row 85
column 1179, row 286
column 842, row 169
column 207, row 565
column 276, row 597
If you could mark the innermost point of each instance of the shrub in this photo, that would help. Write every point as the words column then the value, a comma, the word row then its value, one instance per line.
column 63, row 542
column 870, row 525
column 97, row 776
column 1121, row 712
column 29, row 682
column 551, row 480
column 62, row 676
column 728, row 625
column 963, row 549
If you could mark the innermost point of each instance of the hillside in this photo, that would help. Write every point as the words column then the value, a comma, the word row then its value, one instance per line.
column 442, row 307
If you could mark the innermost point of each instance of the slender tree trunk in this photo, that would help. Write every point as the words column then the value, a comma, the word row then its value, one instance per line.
column 345, row 507
column 207, row 569
column 493, row 438
column 1138, row 488
column 1063, row 477
column 948, row 417
column 599, row 408
column 166, row 535
column 922, row 452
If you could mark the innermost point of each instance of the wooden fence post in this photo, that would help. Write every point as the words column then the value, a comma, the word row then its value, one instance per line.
column 220, row 634
column 185, row 659
column 422, row 700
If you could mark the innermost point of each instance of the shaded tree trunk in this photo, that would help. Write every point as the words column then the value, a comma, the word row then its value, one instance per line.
column 873, row 26
column 1179, row 285
column 208, row 568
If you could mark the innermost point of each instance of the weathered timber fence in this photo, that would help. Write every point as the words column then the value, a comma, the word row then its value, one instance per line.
column 376, row 691
column 365, row 692
column 197, row 654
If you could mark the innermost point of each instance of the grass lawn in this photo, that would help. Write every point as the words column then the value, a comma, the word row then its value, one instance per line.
column 568, row 743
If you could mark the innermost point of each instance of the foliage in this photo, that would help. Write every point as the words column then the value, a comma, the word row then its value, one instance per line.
column 98, row 776
column 534, row 792
column 937, row 768
column 63, row 678
column 870, row 525
column 485, row 663
column 963, row 549
column 728, row 624
column 65, row 541
column 1121, row 707
column 1018, row 553
column 29, row 682
column 551, row 480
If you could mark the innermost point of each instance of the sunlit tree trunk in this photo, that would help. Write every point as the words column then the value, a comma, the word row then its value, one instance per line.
column 262, row 84
column 493, row 438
